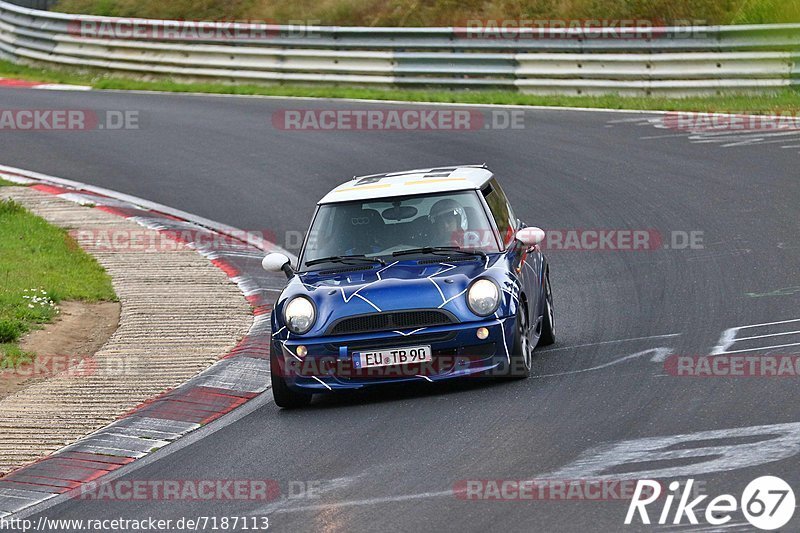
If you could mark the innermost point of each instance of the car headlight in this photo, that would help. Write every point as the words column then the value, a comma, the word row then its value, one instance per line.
column 299, row 315
column 483, row 297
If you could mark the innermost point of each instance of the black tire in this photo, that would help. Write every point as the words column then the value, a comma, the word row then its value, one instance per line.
column 283, row 395
column 548, row 335
column 521, row 352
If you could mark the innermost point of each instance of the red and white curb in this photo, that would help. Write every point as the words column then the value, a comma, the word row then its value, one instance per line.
column 25, row 84
column 237, row 378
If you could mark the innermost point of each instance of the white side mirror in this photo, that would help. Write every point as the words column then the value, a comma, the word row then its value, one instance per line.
column 276, row 262
column 530, row 236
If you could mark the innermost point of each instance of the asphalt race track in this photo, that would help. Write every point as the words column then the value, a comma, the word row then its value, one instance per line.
column 388, row 460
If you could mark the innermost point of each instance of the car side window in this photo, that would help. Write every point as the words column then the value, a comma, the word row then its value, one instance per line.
column 501, row 211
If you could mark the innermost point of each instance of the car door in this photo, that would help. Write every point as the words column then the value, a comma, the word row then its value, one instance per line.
column 525, row 262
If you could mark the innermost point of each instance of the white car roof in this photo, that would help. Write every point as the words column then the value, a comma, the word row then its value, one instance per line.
column 410, row 182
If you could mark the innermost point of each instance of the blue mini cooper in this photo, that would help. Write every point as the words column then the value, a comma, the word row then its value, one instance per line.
column 423, row 275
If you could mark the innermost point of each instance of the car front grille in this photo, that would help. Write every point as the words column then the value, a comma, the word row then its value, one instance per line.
column 396, row 320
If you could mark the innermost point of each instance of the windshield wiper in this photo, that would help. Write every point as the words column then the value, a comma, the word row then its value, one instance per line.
column 439, row 250
column 345, row 259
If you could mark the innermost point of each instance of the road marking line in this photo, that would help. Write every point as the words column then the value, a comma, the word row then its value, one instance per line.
column 742, row 526
column 760, row 348
column 738, row 339
column 61, row 87
column 401, row 102
column 668, row 335
column 719, row 450
column 728, row 337
column 751, row 142
column 769, row 324
column 651, row 137
column 785, row 291
column 369, row 501
column 660, row 353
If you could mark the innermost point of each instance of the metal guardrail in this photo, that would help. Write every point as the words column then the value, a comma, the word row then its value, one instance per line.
column 674, row 60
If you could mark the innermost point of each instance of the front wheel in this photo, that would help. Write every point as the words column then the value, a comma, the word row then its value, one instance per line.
column 548, row 335
column 521, row 356
column 283, row 395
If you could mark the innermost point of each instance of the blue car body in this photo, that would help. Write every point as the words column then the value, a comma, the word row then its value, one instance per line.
column 411, row 301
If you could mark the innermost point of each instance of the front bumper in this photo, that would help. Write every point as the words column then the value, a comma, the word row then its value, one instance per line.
column 456, row 352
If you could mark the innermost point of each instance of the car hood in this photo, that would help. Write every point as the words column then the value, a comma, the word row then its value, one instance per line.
column 412, row 284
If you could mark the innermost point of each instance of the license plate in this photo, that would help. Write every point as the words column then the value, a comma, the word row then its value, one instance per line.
column 392, row 356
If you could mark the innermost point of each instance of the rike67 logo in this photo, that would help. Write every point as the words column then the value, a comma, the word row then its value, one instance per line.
column 768, row 503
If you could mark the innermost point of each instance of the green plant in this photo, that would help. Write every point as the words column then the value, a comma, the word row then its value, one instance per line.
column 10, row 207
column 11, row 356
column 40, row 265
column 10, row 330
column 443, row 12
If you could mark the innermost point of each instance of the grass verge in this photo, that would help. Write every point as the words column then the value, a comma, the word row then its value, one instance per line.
column 40, row 266
column 442, row 12
column 782, row 101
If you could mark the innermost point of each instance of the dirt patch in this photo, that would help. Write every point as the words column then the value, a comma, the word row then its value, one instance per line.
column 80, row 330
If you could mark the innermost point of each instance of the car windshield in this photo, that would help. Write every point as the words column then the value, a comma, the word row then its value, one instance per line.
column 381, row 227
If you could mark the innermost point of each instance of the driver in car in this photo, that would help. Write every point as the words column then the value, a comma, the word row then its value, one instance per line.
column 448, row 220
